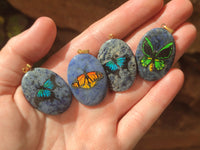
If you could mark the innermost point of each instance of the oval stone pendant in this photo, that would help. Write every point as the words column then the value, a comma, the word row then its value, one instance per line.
column 155, row 54
column 46, row 91
column 87, row 79
column 119, row 63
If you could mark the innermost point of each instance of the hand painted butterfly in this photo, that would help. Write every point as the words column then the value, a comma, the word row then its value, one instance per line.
column 115, row 64
column 45, row 92
column 87, row 80
column 155, row 59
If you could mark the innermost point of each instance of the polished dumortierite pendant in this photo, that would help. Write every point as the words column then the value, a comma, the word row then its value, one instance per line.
column 46, row 91
column 87, row 79
column 119, row 63
column 155, row 54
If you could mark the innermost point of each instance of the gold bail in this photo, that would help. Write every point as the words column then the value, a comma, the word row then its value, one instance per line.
column 80, row 51
column 27, row 68
column 111, row 36
column 164, row 26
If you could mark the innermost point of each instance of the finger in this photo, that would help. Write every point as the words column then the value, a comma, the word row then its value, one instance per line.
column 183, row 31
column 120, row 23
column 174, row 14
column 141, row 116
column 95, row 35
column 28, row 47
column 184, row 37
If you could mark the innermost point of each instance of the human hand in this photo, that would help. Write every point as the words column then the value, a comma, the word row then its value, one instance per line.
column 122, row 118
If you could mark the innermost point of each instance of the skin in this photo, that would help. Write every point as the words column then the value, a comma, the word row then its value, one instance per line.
column 122, row 118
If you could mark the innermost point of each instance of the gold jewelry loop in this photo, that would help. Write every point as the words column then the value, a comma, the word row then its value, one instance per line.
column 80, row 51
column 27, row 68
column 164, row 26
column 111, row 36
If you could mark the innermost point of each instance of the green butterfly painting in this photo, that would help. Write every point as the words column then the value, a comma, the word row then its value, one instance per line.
column 155, row 59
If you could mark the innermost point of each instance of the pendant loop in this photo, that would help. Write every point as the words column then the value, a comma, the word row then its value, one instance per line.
column 164, row 26
column 27, row 68
column 80, row 51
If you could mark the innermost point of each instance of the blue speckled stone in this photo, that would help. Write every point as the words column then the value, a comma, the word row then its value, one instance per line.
column 119, row 63
column 44, row 80
column 163, row 59
column 88, row 89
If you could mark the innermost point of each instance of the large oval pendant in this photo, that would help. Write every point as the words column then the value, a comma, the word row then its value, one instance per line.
column 46, row 91
column 119, row 63
column 87, row 79
column 155, row 54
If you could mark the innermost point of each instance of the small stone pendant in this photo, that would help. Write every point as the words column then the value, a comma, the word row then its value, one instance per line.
column 119, row 63
column 46, row 91
column 87, row 79
column 155, row 54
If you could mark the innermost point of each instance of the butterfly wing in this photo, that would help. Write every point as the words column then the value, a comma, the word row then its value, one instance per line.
column 87, row 80
column 45, row 90
column 87, row 84
column 145, row 61
column 163, row 53
column 80, row 81
column 159, row 64
column 121, row 61
column 111, row 65
column 75, row 84
column 147, row 49
column 43, row 93
column 93, row 77
column 48, row 84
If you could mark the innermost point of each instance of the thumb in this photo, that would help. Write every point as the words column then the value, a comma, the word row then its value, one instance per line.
column 27, row 47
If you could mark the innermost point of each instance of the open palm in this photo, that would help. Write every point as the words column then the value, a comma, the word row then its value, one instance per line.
column 123, row 117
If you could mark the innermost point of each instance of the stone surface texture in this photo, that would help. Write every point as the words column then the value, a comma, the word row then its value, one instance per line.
column 61, row 95
column 159, row 38
column 83, row 64
column 119, row 63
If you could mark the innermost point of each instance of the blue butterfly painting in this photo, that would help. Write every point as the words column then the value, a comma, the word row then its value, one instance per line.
column 114, row 65
column 45, row 92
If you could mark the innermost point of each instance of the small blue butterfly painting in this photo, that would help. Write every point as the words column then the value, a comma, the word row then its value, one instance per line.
column 114, row 65
column 45, row 92
column 119, row 63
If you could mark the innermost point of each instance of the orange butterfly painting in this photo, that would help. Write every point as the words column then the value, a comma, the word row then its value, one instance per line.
column 87, row 80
